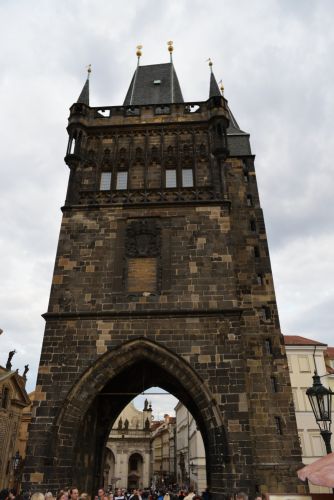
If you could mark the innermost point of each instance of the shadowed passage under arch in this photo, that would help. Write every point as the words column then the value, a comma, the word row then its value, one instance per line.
column 96, row 400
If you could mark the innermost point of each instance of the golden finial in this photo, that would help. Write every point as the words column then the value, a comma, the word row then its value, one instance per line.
column 210, row 62
column 89, row 70
column 139, row 52
column 170, row 46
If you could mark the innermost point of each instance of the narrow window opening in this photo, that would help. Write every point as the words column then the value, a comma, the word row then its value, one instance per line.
column 253, row 225
column 187, row 177
column 246, row 176
column 268, row 346
column 72, row 147
column 122, row 180
column 256, row 251
column 249, row 200
column 170, row 178
column 105, row 182
column 273, row 384
column 278, row 424
column 219, row 130
column 260, row 279
column 266, row 313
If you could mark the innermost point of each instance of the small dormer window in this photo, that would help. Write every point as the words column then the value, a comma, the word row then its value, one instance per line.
column 157, row 82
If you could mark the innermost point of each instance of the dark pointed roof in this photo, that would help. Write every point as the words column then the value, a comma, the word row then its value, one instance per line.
column 84, row 96
column 214, row 89
column 154, row 84
column 237, row 139
column 233, row 127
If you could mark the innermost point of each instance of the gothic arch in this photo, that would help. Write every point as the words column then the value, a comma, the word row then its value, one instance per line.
column 81, row 412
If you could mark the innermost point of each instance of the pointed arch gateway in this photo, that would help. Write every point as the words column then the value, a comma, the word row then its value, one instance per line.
column 95, row 400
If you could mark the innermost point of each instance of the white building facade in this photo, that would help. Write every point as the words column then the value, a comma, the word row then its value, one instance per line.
column 190, row 452
column 303, row 356
column 128, row 450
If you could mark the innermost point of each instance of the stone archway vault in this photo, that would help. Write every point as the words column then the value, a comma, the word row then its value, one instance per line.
column 182, row 381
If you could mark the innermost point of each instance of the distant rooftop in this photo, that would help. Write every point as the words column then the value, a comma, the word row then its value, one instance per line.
column 330, row 352
column 298, row 340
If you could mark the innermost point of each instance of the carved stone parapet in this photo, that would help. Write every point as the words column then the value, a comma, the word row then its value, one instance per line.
column 153, row 196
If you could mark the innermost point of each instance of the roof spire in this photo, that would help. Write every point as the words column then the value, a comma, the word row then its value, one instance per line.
column 214, row 89
column 84, row 96
column 210, row 64
column 170, row 49
column 138, row 54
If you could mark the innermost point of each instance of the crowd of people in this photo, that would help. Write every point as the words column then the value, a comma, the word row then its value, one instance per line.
column 118, row 494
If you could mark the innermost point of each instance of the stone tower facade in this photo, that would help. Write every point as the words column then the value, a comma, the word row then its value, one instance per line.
column 162, row 278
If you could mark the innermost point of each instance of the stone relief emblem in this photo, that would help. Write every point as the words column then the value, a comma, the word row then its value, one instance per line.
column 143, row 238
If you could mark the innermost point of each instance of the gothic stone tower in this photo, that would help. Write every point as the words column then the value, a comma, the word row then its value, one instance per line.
column 162, row 278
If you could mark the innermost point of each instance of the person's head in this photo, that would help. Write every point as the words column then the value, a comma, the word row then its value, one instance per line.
column 74, row 493
column 241, row 496
column 100, row 493
column 37, row 496
column 84, row 496
column 62, row 495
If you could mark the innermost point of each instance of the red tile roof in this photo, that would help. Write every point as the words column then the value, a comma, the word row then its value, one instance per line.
column 298, row 340
column 330, row 352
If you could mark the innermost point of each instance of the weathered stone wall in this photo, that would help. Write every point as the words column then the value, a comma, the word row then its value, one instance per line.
column 207, row 330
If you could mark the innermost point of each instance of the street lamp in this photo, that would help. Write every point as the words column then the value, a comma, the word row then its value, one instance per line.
column 16, row 462
column 321, row 402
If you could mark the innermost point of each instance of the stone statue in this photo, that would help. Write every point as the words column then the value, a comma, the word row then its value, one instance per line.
column 10, row 357
column 120, row 423
column 26, row 369
column 145, row 405
column 147, row 425
column 126, row 424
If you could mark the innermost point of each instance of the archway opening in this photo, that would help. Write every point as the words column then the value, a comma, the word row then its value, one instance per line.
column 157, row 445
column 97, row 400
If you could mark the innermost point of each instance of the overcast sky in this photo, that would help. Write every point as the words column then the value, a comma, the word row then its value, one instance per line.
column 276, row 62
